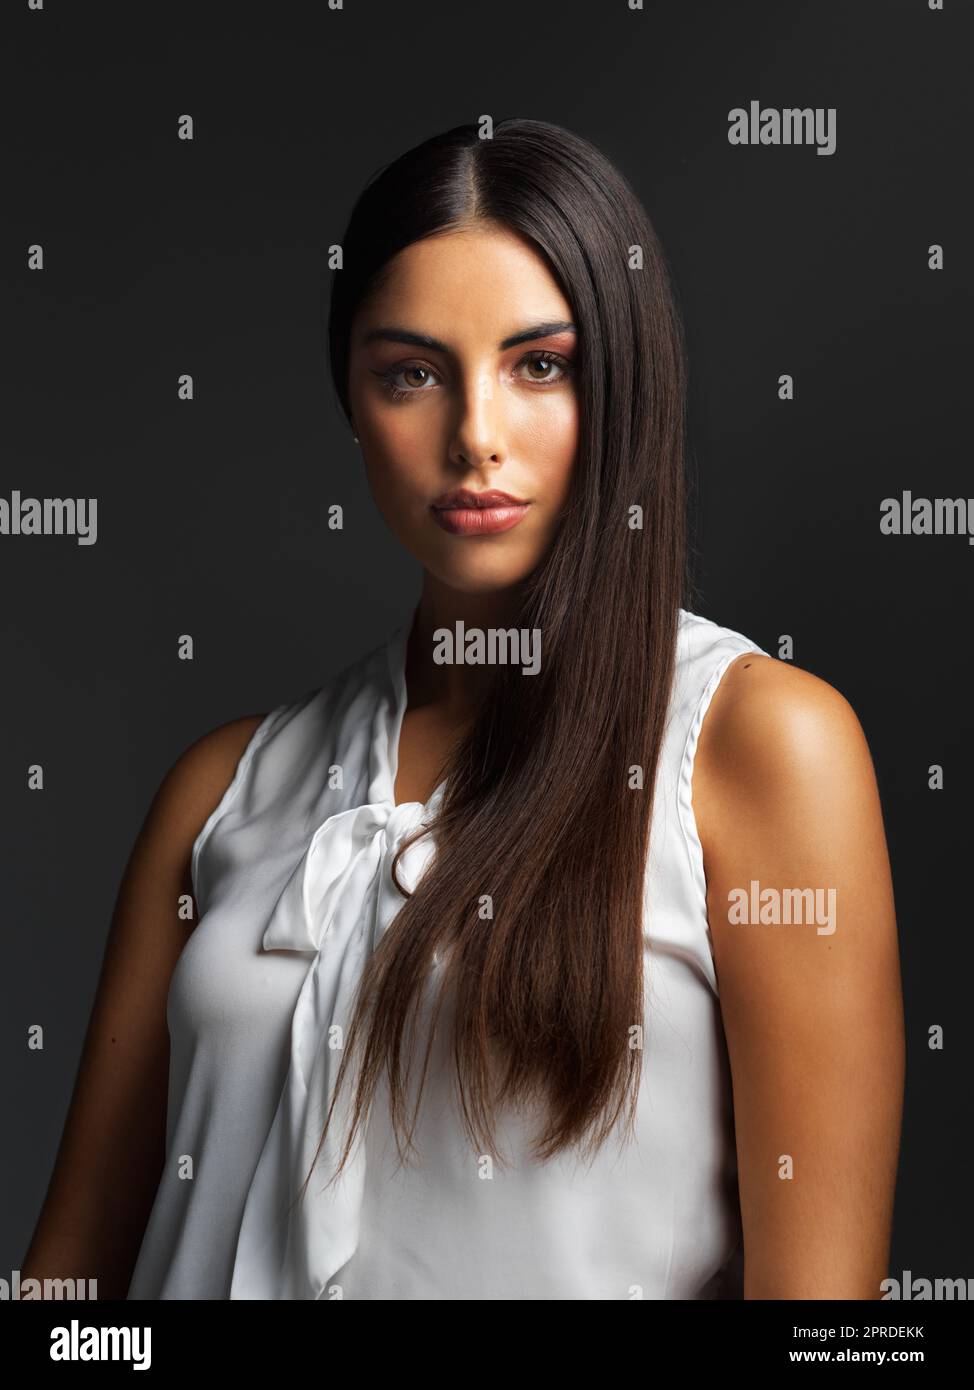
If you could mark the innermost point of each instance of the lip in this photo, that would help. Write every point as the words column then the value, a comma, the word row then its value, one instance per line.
column 464, row 497
column 465, row 513
column 479, row 521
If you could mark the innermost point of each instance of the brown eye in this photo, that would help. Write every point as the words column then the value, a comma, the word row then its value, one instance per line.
column 401, row 381
column 540, row 365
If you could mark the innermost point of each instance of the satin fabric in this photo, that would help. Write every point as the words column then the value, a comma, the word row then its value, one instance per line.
column 335, row 907
column 292, row 876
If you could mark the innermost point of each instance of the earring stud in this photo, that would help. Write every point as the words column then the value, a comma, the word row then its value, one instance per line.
column 355, row 437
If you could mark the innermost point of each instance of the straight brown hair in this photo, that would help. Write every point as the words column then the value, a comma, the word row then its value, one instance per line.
column 541, row 808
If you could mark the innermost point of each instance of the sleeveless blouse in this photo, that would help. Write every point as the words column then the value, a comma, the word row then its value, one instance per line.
column 292, row 879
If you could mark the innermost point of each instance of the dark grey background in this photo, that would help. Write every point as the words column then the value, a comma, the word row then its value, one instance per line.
column 165, row 257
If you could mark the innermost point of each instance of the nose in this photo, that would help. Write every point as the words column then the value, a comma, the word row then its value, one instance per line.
column 479, row 435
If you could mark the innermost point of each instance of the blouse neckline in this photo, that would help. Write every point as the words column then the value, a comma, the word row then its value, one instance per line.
column 392, row 714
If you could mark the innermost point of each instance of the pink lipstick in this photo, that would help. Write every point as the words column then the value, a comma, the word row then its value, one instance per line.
column 466, row 513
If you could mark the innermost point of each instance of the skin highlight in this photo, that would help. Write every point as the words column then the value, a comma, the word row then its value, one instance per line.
column 489, row 407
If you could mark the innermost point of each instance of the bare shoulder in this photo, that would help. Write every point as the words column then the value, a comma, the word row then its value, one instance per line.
column 196, row 782
column 771, row 724
column 187, row 794
column 158, row 872
column 782, row 759
column 803, row 931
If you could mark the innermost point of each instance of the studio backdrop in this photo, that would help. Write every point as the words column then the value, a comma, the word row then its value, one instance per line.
column 177, row 180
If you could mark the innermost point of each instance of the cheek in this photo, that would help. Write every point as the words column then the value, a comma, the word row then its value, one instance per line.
column 398, row 468
column 549, row 438
column 400, row 444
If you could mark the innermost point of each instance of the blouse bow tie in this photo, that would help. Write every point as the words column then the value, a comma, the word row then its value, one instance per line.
column 340, row 868
column 337, row 904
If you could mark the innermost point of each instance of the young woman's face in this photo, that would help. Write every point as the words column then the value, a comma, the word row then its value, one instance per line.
column 443, row 399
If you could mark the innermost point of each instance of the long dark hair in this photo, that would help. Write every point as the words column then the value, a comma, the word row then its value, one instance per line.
column 542, row 808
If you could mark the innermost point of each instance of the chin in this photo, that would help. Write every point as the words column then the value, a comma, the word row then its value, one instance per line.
column 486, row 574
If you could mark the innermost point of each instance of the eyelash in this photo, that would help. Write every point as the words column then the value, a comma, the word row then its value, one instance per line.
column 399, row 393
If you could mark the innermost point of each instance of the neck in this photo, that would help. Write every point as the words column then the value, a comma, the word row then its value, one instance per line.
column 456, row 688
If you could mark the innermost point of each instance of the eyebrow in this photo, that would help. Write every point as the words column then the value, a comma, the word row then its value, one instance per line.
column 527, row 335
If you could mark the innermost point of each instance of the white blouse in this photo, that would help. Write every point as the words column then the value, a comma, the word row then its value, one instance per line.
column 292, row 877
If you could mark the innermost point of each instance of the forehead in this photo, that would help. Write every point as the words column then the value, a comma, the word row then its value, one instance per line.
column 497, row 277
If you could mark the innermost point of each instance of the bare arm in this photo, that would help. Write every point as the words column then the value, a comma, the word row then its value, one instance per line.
column 785, row 795
column 113, row 1146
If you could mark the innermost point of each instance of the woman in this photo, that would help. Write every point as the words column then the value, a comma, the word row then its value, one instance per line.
column 449, row 1024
